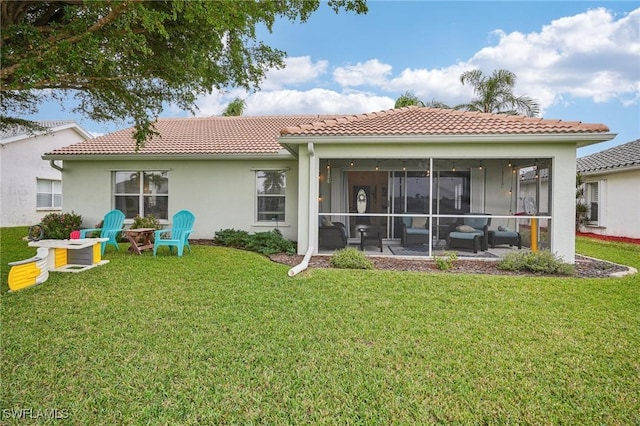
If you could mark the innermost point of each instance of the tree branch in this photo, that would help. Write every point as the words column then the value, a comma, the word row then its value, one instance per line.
column 110, row 17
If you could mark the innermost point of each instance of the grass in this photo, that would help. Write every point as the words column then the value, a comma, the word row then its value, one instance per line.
column 224, row 336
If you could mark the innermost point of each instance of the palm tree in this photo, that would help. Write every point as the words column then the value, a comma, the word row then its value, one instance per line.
column 235, row 108
column 495, row 94
column 408, row 99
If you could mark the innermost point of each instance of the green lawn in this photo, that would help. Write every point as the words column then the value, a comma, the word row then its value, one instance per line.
column 222, row 336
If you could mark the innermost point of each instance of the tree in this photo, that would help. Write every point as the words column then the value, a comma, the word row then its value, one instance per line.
column 408, row 99
column 495, row 94
column 124, row 59
column 235, row 108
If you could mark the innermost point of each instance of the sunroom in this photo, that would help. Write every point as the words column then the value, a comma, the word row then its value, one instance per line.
column 411, row 206
column 440, row 171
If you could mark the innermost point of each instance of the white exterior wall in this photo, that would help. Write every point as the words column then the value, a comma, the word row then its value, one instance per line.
column 221, row 194
column 563, row 156
column 20, row 167
column 620, row 198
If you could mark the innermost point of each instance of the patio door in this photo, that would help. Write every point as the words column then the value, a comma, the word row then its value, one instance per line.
column 410, row 192
column 368, row 193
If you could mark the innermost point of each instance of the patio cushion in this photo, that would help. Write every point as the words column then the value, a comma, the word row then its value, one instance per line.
column 476, row 222
column 417, row 231
column 418, row 222
column 463, row 235
column 325, row 221
column 465, row 228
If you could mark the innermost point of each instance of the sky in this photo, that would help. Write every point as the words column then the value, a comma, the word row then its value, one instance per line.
column 579, row 59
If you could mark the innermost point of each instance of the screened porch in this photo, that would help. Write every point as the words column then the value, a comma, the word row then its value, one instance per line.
column 419, row 207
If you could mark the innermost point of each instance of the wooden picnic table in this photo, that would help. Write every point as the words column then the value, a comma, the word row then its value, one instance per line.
column 140, row 238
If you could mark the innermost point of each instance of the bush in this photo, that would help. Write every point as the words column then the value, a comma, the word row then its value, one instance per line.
column 350, row 258
column 58, row 226
column 540, row 262
column 145, row 222
column 231, row 238
column 270, row 242
column 445, row 262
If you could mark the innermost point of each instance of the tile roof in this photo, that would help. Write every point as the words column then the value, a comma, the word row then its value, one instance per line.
column 201, row 135
column 435, row 121
column 19, row 130
column 626, row 155
column 259, row 134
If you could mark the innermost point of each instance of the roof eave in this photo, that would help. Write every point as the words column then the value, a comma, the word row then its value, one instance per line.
column 159, row 157
column 580, row 139
column 612, row 169
column 74, row 126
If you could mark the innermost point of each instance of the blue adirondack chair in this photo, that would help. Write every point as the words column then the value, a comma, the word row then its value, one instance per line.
column 111, row 228
column 182, row 226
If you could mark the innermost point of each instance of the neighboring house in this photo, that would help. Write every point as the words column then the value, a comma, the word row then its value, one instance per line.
column 30, row 186
column 291, row 172
column 612, row 190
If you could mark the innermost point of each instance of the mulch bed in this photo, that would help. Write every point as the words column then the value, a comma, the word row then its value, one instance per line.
column 584, row 267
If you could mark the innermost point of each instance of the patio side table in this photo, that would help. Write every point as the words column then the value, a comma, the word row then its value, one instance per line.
column 140, row 239
column 370, row 233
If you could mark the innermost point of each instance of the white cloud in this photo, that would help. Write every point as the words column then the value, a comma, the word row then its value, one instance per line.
column 592, row 56
column 371, row 72
column 589, row 55
column 298, row 70
column 315, row 101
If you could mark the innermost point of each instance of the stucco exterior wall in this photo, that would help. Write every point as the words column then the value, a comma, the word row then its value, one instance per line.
column 620, row 204
column 221, row 193
column 563, row 156
column 20, row 167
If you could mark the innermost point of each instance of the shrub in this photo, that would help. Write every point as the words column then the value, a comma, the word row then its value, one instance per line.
column 270, row 242
column 445, row 262
column 145, row 222
column 350, row 258
column 540, row 262
column 231, row 238
column 58, row 226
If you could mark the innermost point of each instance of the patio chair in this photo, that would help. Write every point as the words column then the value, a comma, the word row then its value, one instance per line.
column 332, row 235
column 504, row 236
column 414, row 231
column 111, row 227
column 182, row 227
column 472, row 234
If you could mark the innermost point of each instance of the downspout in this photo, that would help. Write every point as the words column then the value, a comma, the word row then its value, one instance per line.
column 307, row 257
column 53, row 164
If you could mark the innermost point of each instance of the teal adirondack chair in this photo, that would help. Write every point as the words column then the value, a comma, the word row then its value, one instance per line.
column 182, row 226
column 111, row 228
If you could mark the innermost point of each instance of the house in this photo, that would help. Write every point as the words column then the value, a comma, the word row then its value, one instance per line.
column 30, row 186
column 612, row 190
column 293, row 173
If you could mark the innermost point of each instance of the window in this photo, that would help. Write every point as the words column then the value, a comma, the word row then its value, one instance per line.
column 142, row 193
column 49, row 194
column 592, row 196
column 270, row 190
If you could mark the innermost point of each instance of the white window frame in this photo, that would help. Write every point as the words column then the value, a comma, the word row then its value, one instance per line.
column 54, row 193
column 258, row 196
column 140, row 193
column 595, row 193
